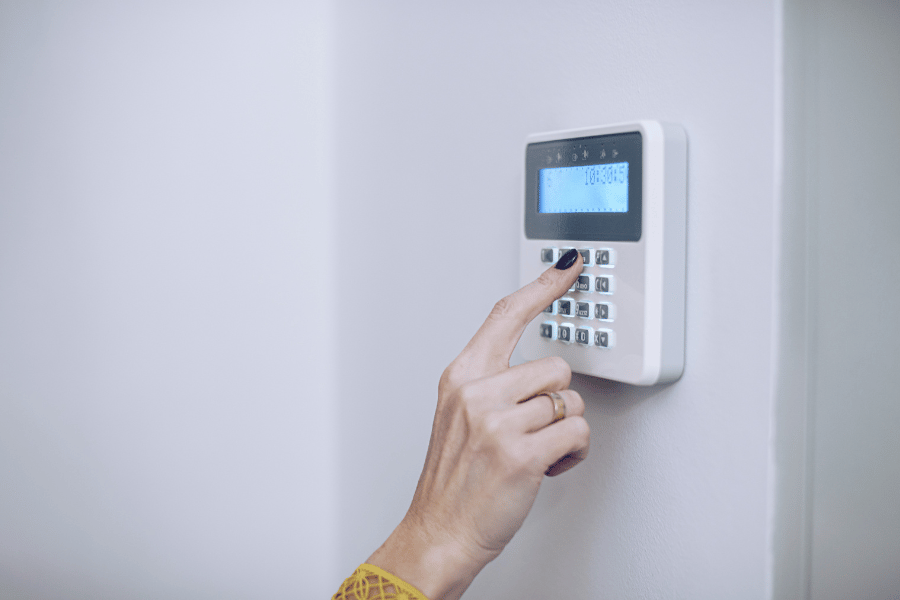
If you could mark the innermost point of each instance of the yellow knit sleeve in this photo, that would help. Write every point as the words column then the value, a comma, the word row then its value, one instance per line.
column 369, row 582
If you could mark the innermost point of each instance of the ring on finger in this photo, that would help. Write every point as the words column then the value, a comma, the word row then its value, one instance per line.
column 559, row 407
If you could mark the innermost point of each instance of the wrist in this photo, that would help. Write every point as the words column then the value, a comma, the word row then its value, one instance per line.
column 441, row 570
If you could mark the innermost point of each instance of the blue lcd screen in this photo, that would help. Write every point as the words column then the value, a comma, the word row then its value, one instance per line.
column 584, row 189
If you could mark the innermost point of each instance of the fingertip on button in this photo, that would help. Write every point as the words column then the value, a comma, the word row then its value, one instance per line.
column 567, row 260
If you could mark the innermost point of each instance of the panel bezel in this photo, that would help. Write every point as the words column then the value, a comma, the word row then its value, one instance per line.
column 569, row 152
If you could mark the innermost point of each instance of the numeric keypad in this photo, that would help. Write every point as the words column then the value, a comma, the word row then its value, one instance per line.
column 589, row 299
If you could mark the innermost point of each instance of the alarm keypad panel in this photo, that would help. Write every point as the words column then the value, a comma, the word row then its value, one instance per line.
column 584, row 309
column 617, row 195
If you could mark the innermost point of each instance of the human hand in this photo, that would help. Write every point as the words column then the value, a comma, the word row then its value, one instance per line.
column 493, row 440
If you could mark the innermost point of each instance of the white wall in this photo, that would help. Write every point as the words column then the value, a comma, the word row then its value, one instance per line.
column 239, row 243
column 854, row 108
column 838, row 526
column 165, row 374
column 434, row 102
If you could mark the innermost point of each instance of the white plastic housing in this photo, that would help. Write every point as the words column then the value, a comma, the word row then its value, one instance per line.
column 649, row 274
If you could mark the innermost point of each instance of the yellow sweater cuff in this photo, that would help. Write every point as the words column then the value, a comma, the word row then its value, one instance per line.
column 369, row 582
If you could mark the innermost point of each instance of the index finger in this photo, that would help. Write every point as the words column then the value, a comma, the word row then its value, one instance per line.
column 495, row 340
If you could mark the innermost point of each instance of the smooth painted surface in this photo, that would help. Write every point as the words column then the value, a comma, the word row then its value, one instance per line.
column 855, row 291
column 435, row 103
column 175, row 349
column 163, row 215
column 790, row 475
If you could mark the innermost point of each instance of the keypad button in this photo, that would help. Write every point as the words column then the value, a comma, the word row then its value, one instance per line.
column 604, row 338
column 605, row 311
column 604, row 284
column 561, row 252
column 583, row 310
column 583, row 283
column 583, row 335
column 548, row 330
column 605, row 257
column 587, row 255
column 549, row 255
column 566, row 307
column 564, row 332
column 551, row 310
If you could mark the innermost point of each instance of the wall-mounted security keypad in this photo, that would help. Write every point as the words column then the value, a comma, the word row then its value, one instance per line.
column 617, row 195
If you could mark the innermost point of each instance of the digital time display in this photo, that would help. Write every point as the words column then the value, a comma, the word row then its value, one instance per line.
column 584, row 189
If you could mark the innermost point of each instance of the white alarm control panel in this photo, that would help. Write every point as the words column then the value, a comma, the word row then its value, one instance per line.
column 617, row 194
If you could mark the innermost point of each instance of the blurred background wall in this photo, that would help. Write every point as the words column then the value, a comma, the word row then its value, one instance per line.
column 842, row 108
column 240, row 242
column 166, row 403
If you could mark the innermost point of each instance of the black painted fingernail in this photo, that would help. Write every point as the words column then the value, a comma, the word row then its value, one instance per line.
column 567, row 260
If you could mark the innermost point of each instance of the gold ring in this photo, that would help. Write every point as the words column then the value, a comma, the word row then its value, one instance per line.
column 559, row 407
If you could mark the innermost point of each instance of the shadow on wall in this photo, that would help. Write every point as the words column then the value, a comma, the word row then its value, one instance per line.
column 618, row 398
column 607, row 497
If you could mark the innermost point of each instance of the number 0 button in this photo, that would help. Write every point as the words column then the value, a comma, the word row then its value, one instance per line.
column 583, row 335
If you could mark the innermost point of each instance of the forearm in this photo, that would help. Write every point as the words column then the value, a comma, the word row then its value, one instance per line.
column 441, row 570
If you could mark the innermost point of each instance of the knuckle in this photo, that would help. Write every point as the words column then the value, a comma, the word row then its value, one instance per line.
column 451, row 378
column 547, row 280
column 560, row 368
column 503, row 309
column 582, row 431
column 457, row 374
column 574, row 403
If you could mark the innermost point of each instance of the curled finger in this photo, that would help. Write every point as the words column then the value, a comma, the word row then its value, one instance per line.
column 516, row 384
column 564, row 444
column 546, row 409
